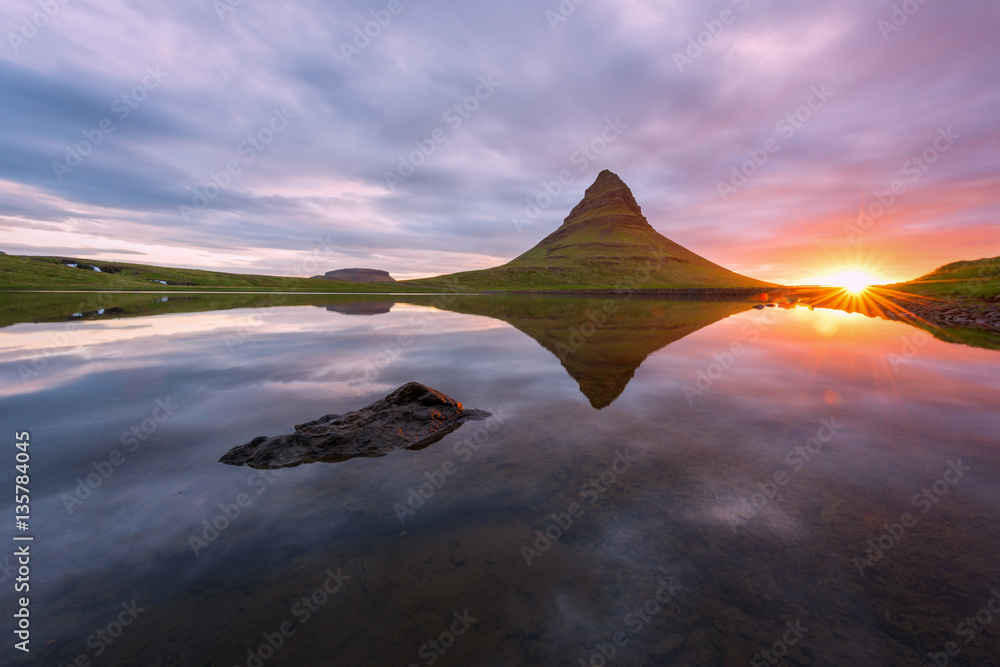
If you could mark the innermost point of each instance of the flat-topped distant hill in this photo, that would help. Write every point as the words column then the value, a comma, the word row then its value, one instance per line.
column 358, row 276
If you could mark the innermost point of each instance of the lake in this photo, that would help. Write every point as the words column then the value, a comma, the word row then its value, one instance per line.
column 662, row 482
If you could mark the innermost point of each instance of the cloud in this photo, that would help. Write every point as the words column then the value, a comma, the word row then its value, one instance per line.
column 360, row 112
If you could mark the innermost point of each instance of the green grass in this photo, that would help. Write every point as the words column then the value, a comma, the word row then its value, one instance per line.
column 49, row 273
column 576, row 266
column 582, row 256
column 976, row 279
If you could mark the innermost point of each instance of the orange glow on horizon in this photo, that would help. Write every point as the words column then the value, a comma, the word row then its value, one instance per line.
column 855, row 281
column 855, row 270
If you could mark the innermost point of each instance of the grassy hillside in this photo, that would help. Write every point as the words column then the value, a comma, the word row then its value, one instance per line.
column 977, row 279
column 50, row 273
column 605, row 259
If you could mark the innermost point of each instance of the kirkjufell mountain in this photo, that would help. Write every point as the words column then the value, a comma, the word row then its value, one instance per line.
column 605, row 242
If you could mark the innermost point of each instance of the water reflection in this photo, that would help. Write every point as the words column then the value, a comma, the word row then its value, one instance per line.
column 600, row 343
column 362, row 308
column 669, row 487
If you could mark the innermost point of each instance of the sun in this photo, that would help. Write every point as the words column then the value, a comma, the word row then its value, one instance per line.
column 853, row 281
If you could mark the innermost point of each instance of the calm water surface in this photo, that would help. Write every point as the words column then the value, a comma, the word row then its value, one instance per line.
column 670, row 482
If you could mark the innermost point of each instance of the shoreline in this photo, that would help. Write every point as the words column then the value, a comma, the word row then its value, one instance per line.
column 653, row 291
column 947, row 314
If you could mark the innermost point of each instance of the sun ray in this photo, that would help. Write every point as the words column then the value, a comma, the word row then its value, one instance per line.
column 876, row 301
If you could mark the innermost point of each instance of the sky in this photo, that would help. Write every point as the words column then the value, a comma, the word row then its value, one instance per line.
column 787, row 140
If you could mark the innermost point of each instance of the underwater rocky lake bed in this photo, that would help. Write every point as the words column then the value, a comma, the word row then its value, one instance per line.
column 661, row 482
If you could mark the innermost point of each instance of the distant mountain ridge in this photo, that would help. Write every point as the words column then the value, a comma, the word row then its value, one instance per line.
column 604, row 242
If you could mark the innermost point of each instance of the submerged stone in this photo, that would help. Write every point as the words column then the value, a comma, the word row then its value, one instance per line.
column 411, row 417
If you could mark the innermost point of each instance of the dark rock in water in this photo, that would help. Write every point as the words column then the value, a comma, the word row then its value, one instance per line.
column 760, row 306
column 412, row 417
column 359, row 276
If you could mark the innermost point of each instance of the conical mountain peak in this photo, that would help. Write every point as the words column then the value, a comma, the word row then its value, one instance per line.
column 608, row 201
column 604, row 243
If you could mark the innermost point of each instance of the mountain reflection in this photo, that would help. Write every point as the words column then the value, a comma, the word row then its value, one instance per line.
column 600, row 342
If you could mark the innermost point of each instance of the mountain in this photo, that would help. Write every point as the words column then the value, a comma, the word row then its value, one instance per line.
column 358, row 276
column 604, row 242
